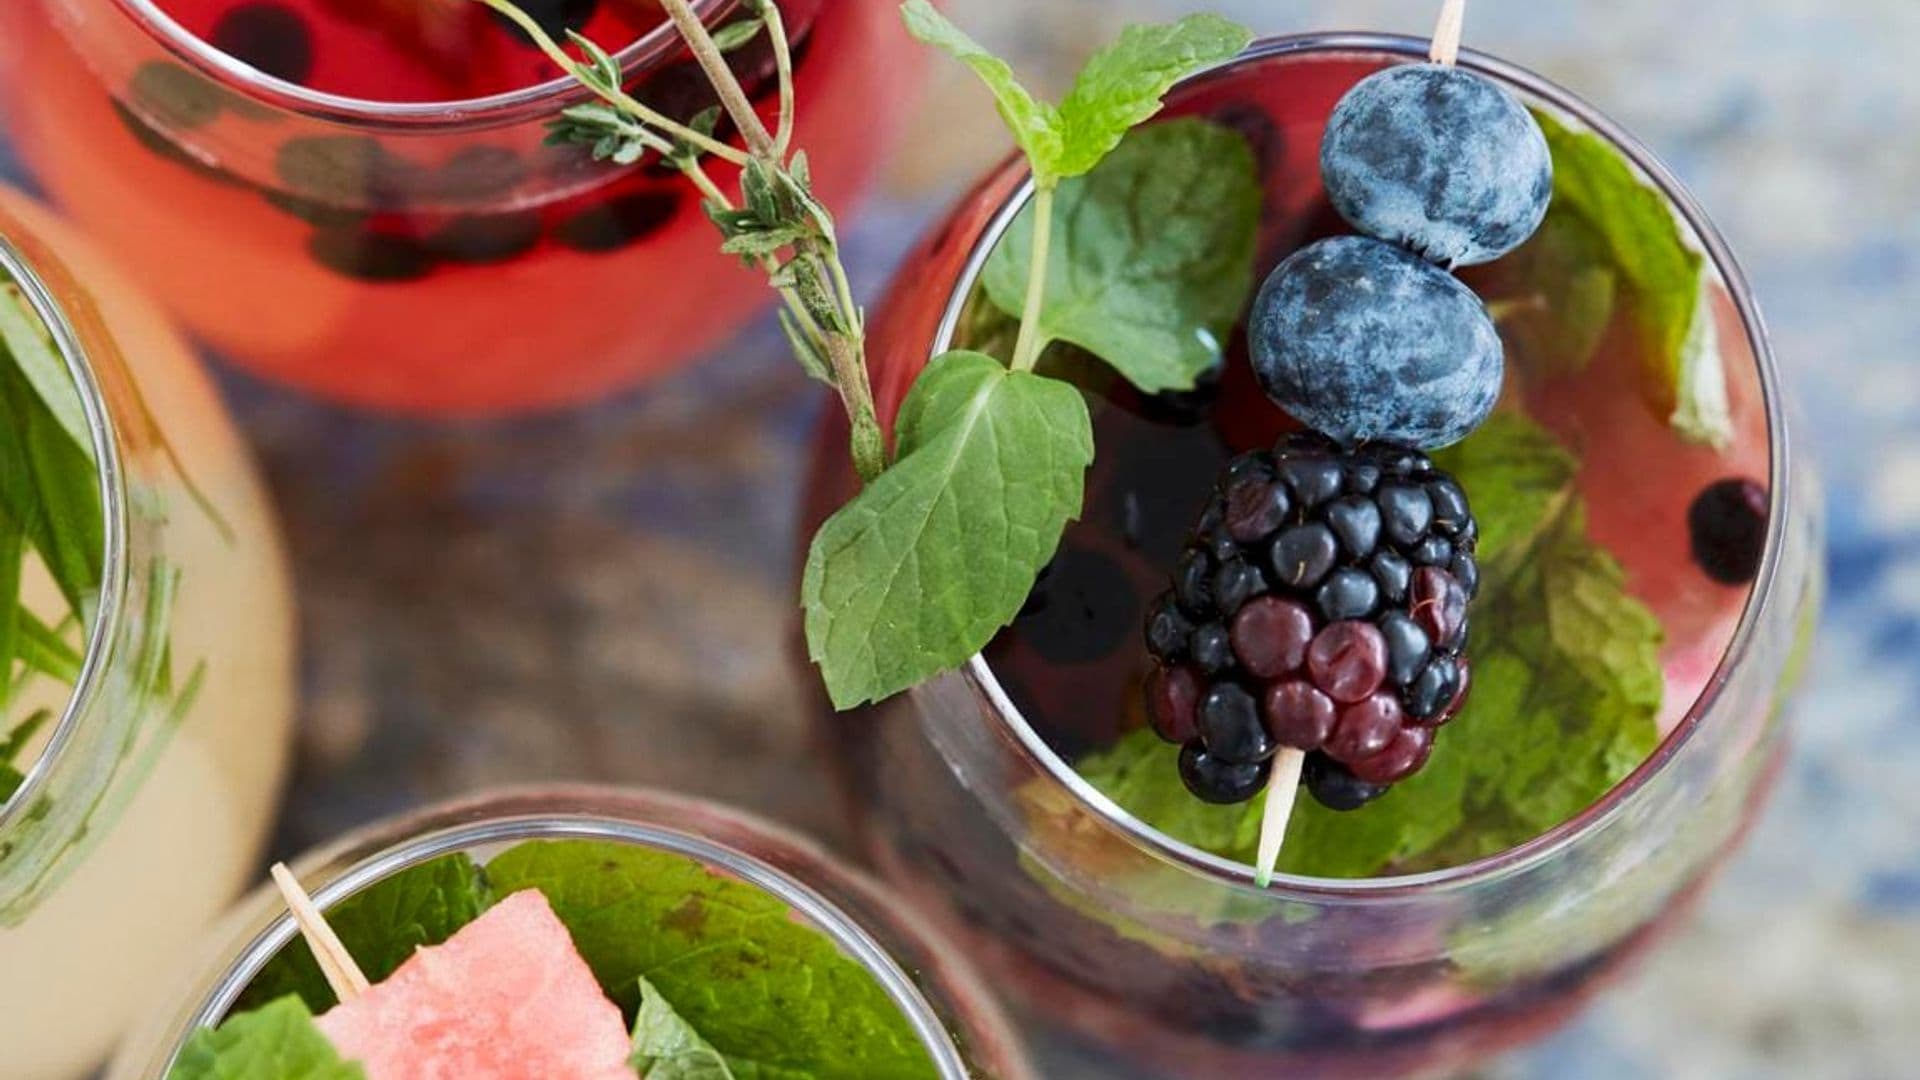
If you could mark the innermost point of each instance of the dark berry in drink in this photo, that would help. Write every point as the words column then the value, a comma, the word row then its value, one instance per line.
column 1299, row 629
column 269, row 37
column 1438, row 160
column 1216, row 781
column 1728, row 527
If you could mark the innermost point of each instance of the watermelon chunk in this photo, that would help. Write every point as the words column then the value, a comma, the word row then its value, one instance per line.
column 506, row 998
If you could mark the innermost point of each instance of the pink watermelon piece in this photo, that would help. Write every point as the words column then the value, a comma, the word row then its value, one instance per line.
column 506, row 998
column 1639, row 480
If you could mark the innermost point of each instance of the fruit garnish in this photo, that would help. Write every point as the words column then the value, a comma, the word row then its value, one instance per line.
column 527, row 967
column 1727, row 524
column 1567, row 686
column 1368, row 342
column 915, row 574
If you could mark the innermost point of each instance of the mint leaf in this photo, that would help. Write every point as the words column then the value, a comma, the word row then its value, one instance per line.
column 276, row 1042
column 666, row 1047
column 1035, row 124
column 10, row 781
column 915, row 574
column 1566, row 688
column 775, row 997
column 1611, row 238
column 1121, row 85
column 24, row 338
column 1152, row 254
column 381, row 926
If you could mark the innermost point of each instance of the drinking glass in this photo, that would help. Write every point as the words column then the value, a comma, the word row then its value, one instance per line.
column 1149, row 957
column 422, row 256
column 947, row 1006
column 148, row 793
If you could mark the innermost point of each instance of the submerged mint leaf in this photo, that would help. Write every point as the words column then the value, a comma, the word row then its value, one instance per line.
column 381, row 926
column 1035, row 124
column 276, row 1042
column 666, row 1047
column 1152, row 254
column 776, row 997
column 1121, row 85
column 915, row 574
column 1663, row 275
column 49, row 487
column 1566, row 688
column 24, row 338
column 1553, row 298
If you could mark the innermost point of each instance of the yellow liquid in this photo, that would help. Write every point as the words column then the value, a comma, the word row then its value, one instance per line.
column 117, row 931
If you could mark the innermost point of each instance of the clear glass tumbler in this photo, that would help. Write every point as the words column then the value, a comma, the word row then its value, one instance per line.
column 961, row 1025
column 423, row 256
column 1153, row 958
column 145, row 798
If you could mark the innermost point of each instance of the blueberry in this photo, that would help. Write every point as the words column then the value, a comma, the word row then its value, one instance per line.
column 1364, row 341
column 1439, row 160
column 371, row 255
column 1727, row 524
column 269, row 37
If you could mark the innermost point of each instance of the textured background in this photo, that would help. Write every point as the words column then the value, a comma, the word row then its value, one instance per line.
column 607, row 593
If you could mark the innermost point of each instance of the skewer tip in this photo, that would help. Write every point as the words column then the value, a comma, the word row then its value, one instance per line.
column 1446, row 33
column 336, row 963
column 1282, row 788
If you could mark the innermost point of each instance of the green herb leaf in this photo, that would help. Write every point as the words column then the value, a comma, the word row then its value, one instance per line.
column 1035, row 124
column 734, row 35
column 10, row 781
column 915, row 574
column 25, row 339
column 49, row 487
column 775, row 997
column 1152, row 254
column 1626, row 229
column 1121, row 85
column 276, row 1042
column 381, row 926
column 43, row 648
column 1555, row 297
column 1566, row 687
column 666, row 1047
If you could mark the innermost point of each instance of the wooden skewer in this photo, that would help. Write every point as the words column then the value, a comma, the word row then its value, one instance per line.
column 1283, row 787
column 336, row 963
column 1446, row 33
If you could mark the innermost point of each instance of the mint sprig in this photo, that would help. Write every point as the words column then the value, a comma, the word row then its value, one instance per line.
column 276, row 1042
column 1155, row 254
column 1566, row 688
column 666, row 1047
column 1611, row 243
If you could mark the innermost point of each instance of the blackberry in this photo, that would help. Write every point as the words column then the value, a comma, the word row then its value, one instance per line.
column 1320, row 603
column 1727, row 525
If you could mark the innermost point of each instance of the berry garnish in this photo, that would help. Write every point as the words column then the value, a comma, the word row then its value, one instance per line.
column 1330, row 639
column 1727, row 524
column 1368, row 342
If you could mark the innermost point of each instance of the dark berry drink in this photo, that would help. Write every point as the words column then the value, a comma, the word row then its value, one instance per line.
column 1043, row 802
column 363, row 205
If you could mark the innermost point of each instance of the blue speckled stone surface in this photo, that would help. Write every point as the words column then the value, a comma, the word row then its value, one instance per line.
column 607, row 593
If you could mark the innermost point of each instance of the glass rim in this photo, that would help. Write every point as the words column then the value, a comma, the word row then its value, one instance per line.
column 461, row 114
column 110, row 469
column 1760, row 597
column 448, row 831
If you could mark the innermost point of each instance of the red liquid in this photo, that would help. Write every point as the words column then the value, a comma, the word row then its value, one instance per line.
column 400, row 50
column 445, row 268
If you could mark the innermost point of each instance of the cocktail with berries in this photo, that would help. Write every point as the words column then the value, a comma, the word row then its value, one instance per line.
column 1472, row 518
column 356, row 196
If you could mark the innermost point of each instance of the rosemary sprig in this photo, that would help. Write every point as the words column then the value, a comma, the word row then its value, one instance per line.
column 773, row 221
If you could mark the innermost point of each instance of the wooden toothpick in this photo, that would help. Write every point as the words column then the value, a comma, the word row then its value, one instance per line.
column 1446, row 33
column 1283, row 786
column 336, row 963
